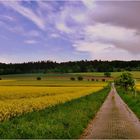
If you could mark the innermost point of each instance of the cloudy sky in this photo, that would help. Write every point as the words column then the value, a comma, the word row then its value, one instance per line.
column 69, row 30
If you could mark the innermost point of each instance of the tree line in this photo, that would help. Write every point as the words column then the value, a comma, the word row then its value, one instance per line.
column 69, row 67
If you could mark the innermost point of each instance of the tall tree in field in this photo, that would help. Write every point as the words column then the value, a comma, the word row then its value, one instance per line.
column 107, row 74
column 125, row 81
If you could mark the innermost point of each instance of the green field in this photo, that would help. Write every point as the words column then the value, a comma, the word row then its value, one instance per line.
column 132, row 100
column 46, row 80
column 136, row 74
column 65, row 76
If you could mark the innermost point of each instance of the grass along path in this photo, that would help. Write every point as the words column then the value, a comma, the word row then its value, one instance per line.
column 62, row 121
column 132, row 101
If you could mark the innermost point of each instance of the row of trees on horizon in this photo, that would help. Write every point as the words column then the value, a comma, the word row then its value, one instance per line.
column 69, row 67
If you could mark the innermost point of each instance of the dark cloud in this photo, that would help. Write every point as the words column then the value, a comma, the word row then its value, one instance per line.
column 122, row 13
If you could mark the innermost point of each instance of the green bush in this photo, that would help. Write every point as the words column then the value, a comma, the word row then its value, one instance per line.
column 107, row 74
column 80, row 78
column 125, row 81
column 103, row 80
column 92, row 79
column 38, row 78
column 72, row 78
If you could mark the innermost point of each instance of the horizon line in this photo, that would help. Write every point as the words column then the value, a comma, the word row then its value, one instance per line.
column 66, row 61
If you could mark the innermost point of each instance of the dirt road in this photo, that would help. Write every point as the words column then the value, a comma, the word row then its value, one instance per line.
column 113, row 121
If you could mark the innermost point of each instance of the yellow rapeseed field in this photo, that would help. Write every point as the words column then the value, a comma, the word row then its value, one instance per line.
column 16, row 100
column 138, row 86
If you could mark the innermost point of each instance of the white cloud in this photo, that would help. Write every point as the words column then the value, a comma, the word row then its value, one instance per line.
column 98, row 50
column 30, row 41
column 54, row 35
column 26, row 12
column 104, row 41
column 79, row 17
column 10, row 18
column 61, row 22
column 90, row 4
column 93, row 47
column 5, row 59
column 70, row 18
column 110, row 32
column 61, row 26
column 20, row 30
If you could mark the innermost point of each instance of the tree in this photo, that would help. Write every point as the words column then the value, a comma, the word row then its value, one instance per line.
column 38, row 78
column 107, row 74
column 72, row 78
column 103, row 80
column 125, row 81
column 92, row 79
column 80, row 78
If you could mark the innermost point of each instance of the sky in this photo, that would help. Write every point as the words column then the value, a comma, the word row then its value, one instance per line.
column 69, row 30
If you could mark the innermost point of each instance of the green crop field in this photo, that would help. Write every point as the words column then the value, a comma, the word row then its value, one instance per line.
column 136, row 74
column 64, row 76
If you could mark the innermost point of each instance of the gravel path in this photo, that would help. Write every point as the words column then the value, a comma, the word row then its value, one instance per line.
column 113, row 121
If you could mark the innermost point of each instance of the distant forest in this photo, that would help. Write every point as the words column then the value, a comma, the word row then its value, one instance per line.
column 69, row 67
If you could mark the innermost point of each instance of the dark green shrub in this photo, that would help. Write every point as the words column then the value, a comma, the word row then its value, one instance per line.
column 107, row 74
column 103, row 80
column 80, row 78
column 38, row 78
column 72, row 78
column 125, row 81
column 92, row 79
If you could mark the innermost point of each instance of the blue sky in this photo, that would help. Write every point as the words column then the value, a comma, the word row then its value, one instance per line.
column 69, row 30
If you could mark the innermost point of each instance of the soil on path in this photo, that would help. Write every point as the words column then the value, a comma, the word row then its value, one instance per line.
column 113, row 121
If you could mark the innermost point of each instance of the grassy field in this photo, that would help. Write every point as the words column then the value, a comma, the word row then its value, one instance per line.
column 132, row 99
column 66, row 120
column 65, row 76
column 50, row 83
column 136, row 74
